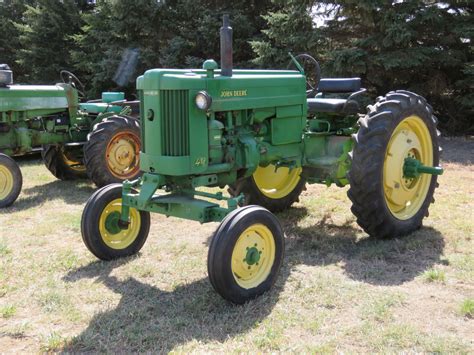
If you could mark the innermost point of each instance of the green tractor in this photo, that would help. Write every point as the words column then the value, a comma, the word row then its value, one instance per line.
column 99, row 139
column 265, row 134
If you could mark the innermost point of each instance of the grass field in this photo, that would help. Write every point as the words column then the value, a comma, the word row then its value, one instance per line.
column 338, row 289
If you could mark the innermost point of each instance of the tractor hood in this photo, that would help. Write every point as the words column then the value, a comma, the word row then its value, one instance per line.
column 37, row 97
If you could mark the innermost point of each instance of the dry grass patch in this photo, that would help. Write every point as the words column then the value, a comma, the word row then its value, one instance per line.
column 338, row 291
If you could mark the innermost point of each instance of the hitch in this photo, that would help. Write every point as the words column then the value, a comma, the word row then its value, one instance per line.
column 412, row 168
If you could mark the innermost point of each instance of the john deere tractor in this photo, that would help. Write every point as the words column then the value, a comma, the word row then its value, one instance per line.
column 265, row 134
column 97, row 138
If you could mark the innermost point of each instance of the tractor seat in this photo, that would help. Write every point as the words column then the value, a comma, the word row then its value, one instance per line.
column 339, row 85
column 341, row 106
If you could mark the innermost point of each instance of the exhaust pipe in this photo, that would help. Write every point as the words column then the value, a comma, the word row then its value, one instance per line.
column 226, row 47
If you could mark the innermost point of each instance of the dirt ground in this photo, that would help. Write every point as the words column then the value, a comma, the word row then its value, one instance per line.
column 338, row 291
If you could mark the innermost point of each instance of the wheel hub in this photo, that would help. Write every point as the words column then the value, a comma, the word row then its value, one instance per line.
column 6, row 182
column 253, row 256
column 405, row 194
column 276, row 183
column 72, row 162
column 111, row 223
column 122, row 155
column 114, row 236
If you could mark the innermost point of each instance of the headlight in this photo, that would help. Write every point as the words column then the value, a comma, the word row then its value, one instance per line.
column 203, row 100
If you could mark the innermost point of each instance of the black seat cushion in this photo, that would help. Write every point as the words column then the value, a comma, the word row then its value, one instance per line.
column 332, row 106
column 339, row 85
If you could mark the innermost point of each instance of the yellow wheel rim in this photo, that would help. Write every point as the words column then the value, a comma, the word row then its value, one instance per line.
column 6, row 182
column 73, row 164
column 411, row 138
column 123, row 238
column 122, row 155
column 276, row 184
column 253, row 256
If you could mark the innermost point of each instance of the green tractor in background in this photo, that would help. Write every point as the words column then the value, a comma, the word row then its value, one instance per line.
column 265, row 134
column 99, row 139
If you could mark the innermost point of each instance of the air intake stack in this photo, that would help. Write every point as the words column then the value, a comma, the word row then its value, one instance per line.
column 226, row 47
column 6, row 75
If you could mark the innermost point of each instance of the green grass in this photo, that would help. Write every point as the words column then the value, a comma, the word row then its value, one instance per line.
column 7, row 311
column 467, row 308
column 338, row 290
column 4, row 250
column 434, row 275
column 52, row 342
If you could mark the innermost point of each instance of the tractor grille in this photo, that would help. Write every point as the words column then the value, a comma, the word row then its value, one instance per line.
column 142, row 118
column 174, row 122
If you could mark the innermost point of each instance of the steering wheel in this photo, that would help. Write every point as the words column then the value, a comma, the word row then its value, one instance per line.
column 312, row 72
column 69, row 78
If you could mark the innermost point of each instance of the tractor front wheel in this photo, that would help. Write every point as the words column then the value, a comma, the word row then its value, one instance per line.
column 11, row 181
column 112, row 151
column 387, row 199
column 63, row 163
column 245, row 254
column 274, row 189
column 100, row 228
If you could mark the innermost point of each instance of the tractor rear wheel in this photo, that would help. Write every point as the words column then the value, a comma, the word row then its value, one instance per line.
column 112, row 151
column 276, row 190
column 63, row 163
column 245, row 254
column 100, row 229
column 11, row 181
column 385, row 201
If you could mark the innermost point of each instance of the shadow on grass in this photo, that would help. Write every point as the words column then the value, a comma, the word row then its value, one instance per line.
column 375, row 261
column 457, row 150
column 150, row 319
column 72, row 192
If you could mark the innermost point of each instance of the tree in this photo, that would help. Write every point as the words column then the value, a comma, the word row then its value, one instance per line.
column 170, row 34
column 11, row 12
column 46, row 39
column 112, row 30
column 290, row 27
column 194, row 30
column 422, row 46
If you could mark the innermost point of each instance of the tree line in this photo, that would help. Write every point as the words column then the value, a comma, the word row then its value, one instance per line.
column 423, row 46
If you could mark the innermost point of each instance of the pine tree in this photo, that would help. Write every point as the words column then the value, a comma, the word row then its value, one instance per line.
column 290, row 27
column 194, row 30
column 421, row 46
column 111, row 30
column 11, row 12
column 46, row 39
column 167, row 34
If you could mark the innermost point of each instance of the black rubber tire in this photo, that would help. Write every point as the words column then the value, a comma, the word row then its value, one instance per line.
column 368, row 155
column 222, row 245
column 14, row 169
column 90, row 225
column 53, row 158
column 253, row 195
column 96, row 147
